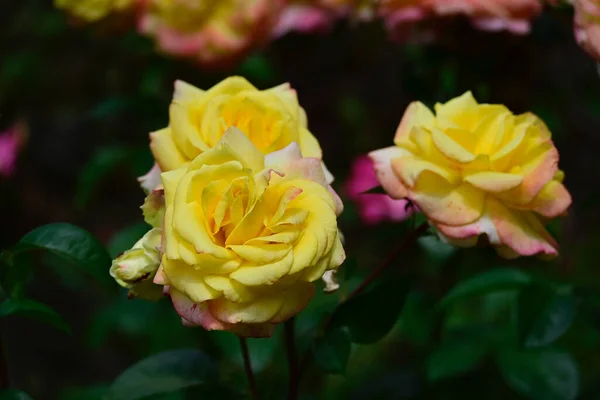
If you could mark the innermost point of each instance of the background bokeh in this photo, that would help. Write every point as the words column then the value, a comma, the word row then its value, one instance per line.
column 91, row 94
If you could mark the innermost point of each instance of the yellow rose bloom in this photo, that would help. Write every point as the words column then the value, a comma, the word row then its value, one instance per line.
column 93, row 10
column 271, row 119
column 478, row 169
column 246, row 234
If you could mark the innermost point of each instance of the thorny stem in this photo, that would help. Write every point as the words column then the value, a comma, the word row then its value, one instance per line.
column 292, row 356
column 406, row 241
column 248, row 369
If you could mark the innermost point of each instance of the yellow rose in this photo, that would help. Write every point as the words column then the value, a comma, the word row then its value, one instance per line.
column 271, row 119
column 477, row 169
column 135, row 269
column 93, row 10
column 246, row 234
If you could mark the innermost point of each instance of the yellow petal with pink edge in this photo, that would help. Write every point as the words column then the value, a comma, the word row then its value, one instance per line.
column 417, row 114
column 165, row 151
column 451, row 148
column 494, row 182
column 275, row 306
column 199, row 315
column 410, row 169
column 522, row 231
column 552, row 201
column 382, row 163
column 446, row 203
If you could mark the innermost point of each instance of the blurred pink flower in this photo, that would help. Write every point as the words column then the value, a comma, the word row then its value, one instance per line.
column 11, row 142
column 587, row 26
column 491, row 15
column 212, row 32
column 306, row 16
column 373, row 208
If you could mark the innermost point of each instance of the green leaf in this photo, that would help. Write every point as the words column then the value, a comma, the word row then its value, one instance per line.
column 126, row 238
column 162, row 373
column 12, row 394
column 543, row 315
column 490, row 281
column 72, row 244
column 541, row 375
column 332, row 351
column 373, row 313
column 454, row 358
column 34, row 310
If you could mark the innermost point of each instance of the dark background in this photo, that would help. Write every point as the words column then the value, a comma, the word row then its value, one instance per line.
column 91, row 95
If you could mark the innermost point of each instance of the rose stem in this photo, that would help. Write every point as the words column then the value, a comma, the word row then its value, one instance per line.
column 292, row 356
column 248, row 369
column 406, row 241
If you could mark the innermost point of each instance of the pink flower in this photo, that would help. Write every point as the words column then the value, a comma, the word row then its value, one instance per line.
column 373, row 208
column 11, row 142
column 587, row 26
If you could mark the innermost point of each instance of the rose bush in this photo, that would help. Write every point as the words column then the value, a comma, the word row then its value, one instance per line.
column 478, row 169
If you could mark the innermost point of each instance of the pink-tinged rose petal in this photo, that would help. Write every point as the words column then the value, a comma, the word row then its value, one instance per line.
column 151, row 180
column 522, row 231
column 373, row 208
column 382, row 162
column 193, row 314
column 11, row 142
column 552, row 201
column 513, row 232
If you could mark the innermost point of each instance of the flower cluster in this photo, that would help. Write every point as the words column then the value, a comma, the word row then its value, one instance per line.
column 217, row 32
column 244, row 219
column 478, row 170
